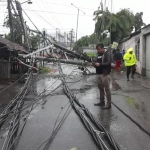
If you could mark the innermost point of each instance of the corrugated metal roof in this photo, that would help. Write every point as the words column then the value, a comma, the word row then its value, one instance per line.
column 12, row 46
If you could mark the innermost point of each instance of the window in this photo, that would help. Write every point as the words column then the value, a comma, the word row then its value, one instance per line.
column 137, row 51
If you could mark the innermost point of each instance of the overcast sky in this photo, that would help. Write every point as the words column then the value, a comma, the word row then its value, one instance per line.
column 52, row 14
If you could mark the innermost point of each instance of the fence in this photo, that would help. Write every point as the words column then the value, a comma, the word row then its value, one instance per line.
column 4, row 69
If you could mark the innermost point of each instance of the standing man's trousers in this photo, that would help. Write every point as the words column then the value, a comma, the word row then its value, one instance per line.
column 129, row 68
column 104, row 88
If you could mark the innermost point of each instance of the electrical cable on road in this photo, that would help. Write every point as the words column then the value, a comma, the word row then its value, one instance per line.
column 55, row 130
column 18, row 104
column 93, row 132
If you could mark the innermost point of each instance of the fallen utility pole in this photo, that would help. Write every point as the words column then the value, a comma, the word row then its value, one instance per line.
column 56, row 60
column 29, row 66
column 79, row 56
column 37, row 51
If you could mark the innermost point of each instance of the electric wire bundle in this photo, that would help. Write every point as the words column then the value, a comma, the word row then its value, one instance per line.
column 84, row 113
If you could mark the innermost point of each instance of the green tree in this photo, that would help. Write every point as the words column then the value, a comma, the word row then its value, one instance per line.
column 121, row 24
column 138, row 21
column 16, row 28
column 18, row 32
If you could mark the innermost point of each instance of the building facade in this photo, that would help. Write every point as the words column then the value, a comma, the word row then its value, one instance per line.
column 140, row 42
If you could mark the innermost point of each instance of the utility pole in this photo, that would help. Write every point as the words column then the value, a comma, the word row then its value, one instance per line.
column 56, row 34
column 111, row 22
column 19, row 8
column 44, row 37
column 77, row 20
column 71, row 38
column 77, row 26
column 10, row 21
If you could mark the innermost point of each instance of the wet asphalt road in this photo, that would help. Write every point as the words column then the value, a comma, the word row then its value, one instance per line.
column 72, row 133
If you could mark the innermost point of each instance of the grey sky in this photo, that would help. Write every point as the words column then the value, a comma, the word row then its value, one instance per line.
column 65, row 16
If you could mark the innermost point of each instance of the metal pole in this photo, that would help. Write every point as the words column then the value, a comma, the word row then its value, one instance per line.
column 77, row 19
column 19, row 8
column 77, row 25
column 56, row 34
column 41, row 58
column 10, row 21
column 71, row 39
column 44, row 34
column 111, row 23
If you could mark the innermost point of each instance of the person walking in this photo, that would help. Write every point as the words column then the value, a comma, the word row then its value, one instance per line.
column 103, row 69
column 118, row 59
column 123, row 53
column 130, row 62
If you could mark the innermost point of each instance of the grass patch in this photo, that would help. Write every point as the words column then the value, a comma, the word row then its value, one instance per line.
column 91, row 54
column 132, row 102
column 45, row 70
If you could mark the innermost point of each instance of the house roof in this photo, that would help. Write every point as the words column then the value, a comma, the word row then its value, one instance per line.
column 12, row 46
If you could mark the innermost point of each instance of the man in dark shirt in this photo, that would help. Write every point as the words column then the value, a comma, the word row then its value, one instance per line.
column 103, row 69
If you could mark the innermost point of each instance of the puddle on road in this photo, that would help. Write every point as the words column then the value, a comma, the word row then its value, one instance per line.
column 47, row 84
column 33, row 112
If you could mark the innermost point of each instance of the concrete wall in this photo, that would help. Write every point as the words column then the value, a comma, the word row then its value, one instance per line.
column 141, row 64
column 144, row 33
column 131, row 43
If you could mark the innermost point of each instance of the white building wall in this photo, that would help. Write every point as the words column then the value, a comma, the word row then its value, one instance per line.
column 141, row 64
column 144, row 33
column 132, row 43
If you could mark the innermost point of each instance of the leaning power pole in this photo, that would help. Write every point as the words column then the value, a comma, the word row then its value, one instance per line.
column 111, row 23
column 19, row 8
column 10, row 21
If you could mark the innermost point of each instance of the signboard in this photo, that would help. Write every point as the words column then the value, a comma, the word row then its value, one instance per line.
column 114, row 45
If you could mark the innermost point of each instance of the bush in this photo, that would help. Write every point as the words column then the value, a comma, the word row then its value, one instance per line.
column 45, row 70
column 91, row 54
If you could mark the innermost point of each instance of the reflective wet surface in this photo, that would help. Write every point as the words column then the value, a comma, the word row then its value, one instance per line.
column 131, row 97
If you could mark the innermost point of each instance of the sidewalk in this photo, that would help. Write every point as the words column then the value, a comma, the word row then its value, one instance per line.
column 133, row 98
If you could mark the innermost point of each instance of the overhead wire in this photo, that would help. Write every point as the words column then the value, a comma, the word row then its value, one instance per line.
column 70, row 6
column 47, row 18
column 54, row 17
column 57, row 13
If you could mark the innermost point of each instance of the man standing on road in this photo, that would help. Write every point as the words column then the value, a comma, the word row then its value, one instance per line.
column 130, row 62
column 103, row 69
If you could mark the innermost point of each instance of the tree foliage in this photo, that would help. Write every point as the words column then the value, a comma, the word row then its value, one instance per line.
column 139, row 21
column 18, row 32
column 120, row 24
